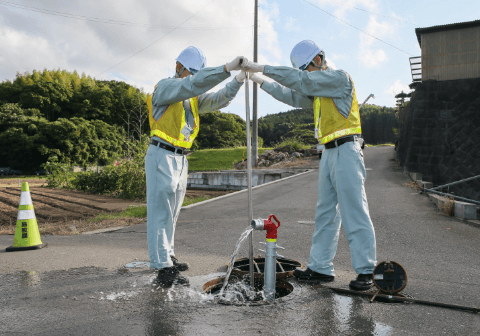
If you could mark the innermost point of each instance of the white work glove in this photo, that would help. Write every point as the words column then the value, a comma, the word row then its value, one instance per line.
column 241, row 76
column 236, row 63
column 257, row 79
column 253, row 67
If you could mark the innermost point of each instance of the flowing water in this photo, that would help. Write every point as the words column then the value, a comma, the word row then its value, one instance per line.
column 232, row 261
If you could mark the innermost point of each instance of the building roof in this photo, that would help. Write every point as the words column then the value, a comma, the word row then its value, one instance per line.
column 452, row 26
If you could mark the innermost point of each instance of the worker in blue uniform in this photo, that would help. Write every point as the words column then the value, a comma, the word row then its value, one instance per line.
column 174, row 110
column 341, row 187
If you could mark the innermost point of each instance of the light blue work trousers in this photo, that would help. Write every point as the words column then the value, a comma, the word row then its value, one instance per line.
column 166, row 187
column 342, row 200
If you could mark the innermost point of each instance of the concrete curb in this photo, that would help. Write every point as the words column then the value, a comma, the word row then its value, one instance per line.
column 463, row 210
column 245, row 190
column 110, row 229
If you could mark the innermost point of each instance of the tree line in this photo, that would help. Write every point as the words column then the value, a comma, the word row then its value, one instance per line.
column 78, row 119
column 379, row 125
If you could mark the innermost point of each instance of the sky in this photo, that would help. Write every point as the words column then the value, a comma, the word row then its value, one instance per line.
column 137, row 41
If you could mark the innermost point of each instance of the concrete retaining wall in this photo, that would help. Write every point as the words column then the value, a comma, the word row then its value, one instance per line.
column 236, row 179
column 440, row 134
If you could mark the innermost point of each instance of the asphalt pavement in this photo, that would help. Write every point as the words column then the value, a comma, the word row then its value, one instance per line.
column 79, row 285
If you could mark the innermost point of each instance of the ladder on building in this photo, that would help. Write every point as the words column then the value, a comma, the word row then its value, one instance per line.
column 416, row 68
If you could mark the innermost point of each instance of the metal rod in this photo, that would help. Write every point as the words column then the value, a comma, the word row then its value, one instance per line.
column 453, row 183
column 449, row 195
column 400, row 299
column 281, row 267
column 255, row 102
column 249, row 181
column 256, row 266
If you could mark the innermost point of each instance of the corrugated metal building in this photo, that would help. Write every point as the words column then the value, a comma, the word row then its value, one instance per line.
column 450, row 51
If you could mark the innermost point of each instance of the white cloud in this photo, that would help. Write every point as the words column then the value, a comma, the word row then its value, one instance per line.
column 291, row 24
column 34, row 41
column 330, row 63
column 344, row 7
column 395, row 89
column 269, row 49
column 369, row 54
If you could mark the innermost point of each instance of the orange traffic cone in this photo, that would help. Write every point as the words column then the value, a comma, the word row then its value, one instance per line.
column 27, row 236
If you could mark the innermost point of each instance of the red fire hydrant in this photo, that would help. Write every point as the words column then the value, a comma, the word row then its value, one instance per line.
column 270, row 269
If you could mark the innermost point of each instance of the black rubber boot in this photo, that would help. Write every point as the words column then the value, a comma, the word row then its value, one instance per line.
column 181, row 266
column 311, row 276
column 362, row 282
column 170, row 275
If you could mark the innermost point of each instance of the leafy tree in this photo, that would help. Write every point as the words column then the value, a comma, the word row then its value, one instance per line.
column 219, row 130
column 27, row 139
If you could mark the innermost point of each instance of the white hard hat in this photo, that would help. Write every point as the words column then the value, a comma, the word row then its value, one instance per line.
column 304, row 52
column 193, row 59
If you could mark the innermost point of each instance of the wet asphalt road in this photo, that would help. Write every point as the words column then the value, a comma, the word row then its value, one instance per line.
column 77, row 285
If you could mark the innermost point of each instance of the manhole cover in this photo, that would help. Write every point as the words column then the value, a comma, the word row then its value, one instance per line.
column 285, row 267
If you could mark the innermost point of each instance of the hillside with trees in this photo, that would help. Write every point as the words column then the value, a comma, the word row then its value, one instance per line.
column 84, row 121
column 379, row 125
column 74, row 117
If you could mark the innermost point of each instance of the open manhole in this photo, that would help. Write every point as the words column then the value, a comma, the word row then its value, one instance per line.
column 285, row 267
column 238, row 291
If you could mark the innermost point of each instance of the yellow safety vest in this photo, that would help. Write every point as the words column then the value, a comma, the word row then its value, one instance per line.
column 170, row 126
column 332, row 124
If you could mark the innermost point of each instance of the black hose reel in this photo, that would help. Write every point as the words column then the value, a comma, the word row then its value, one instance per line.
column 389, row 277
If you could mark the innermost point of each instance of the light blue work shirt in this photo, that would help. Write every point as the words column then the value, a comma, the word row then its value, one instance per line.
column 173, row 90
column 301, row 87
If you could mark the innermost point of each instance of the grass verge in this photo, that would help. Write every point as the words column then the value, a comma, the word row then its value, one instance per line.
column 381, row 145
column 141, row 210
column 21, row 177
column 217, row 159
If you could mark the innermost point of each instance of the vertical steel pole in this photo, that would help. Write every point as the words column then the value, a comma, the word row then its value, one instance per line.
column 249, row 179
column 255, row 117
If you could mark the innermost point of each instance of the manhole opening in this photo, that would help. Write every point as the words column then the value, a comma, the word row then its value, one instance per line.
column 238, row 290
column 285, row 267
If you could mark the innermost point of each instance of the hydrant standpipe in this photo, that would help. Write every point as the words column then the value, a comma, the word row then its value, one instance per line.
column 270, row 271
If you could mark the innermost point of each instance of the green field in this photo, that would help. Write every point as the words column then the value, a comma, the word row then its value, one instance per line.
column 141, row 210
column 217, row 159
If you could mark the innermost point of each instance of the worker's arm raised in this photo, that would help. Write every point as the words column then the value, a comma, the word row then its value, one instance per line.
column 328, row 83
column 173, row 90
column 286, row 95
column 216, row 100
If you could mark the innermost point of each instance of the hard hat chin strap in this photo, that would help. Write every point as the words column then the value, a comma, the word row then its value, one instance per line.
column 178, row 74
column 322, row 57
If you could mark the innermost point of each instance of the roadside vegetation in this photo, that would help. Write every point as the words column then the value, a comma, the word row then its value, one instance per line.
column 217, row 159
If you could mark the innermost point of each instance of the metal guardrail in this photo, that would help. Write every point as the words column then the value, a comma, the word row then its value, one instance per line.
column 435, row 190
column 450, row 195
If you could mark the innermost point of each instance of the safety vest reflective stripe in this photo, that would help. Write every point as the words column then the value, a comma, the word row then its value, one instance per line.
column 316, row 116
column 26, row 214
column 341, row 133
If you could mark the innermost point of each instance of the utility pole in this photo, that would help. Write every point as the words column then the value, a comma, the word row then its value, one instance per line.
column 255, row 117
